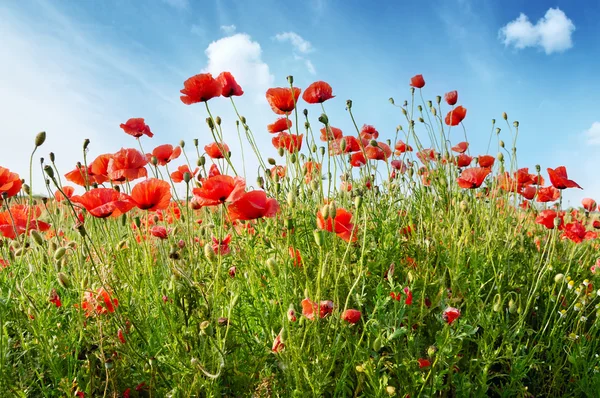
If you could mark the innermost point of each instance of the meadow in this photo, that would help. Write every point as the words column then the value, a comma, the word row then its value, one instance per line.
column 351, row 266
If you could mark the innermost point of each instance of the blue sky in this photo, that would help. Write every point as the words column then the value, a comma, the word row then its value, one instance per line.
column 79, row 69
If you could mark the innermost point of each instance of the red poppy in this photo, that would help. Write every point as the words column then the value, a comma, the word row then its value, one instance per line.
column 346, row 144
column 221, row 247
column 152, row 194
column 158, row 231
column 253, row 205
column 451, row 97
column 105, row 202
column 200, row 88
column 317, row 93
column 546, row 218
column 380, row 152
column 219, row 189
column 19, row 219
column 409, row 296
column 68, row 191
column 463, row 160
column 311, row 170
column 417, row 81
column 282, row 100
column 401, row 147
column 296, row 256
column 164, row 154
column 177, row 175
column 357, row 159
column 596, row 224
column 98, row 169
column 98, row 303
column 456, row 116
column 290, row 142
column 547, row 194
column 588, row 204
column 309, row 308
column 341, row 225
column 473, row 177
column 559, row 179
column 127, row 165
column 423, row 363
column 279, row 171
column 450, row 315
column 351, row 316
column 399, row 165
column 426, row 155
column 55, row 298
column 461, row 147
column 577, row 233
column 368, row 132
column 329, row 133
column 281, row 124
column 229, row 86
column 121, row 338
column 528, row 192
column 278, row 344
column 216, row 150
column 136, row 127
column 10, row 183
column 486, row 161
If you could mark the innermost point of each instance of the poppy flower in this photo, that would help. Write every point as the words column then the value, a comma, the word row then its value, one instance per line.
column 136, row 127
column 409, row 296
column 19, row 219
column 253, row 205
column 55, row 299
column 279, row 171
column 229, row 86
column 450, row 315
column 357, row 159
column 577, row 233
column 309, row 308
column 282, row 99
column 221, row 247
column 98, row 169
column 216, row 150
column 547, row 194
column 4, row 264
column 281, row 124
column 546, row 218
column 152, row 194
column 341, row 225
column 473, row 177
column 200, row 88
column 588, row 204
column 98, row 303
column 559, row 179
column 127, row 165
column 426, row 155
column 80, row 177
column 456, row 116
column 10, row 183
column 278, row 344
column 368, row 132
column 219, row 189
column 463, row 160
column 330, row 133
column 290, row 142
column 417, row 81
column 399, row 165
column 381, row 151
column 461, row 147
column 423, row 363
column 68, row 192
column 351, row 316
column 451, row 97
column 528, row 192
column 596, row 224
column 105, row 202
column 311, row 170
column 317, row 93
column 121, row 338
column 486, row 161
column 164, row 154
column 296, row 256
column 177, row 175
column 402, row 147
column 158, row 231
column 346, row 144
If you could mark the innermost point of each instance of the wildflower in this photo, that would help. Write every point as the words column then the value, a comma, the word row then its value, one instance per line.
column 456, row 116
column 229, row 86
column 588, row 204
column 253, row 205
column 281, row 124
column 290, row 142
column 164, row 154
column 576, row 232
column 217, row 150
column 451, row 97
column 357, row 159
column 55, row 299
column 152, row 194
column 127, row 165
column 105, row 202
column 417, row 81
column 120, row 336
column 10, row 183
column 317, row 93
column 282, row 99
column 423, row 363
column 547, row 194
column 559, row 179
column 177, row 175
column 200, row 88
column 329, row 133
column 381, row 151
column 136, row 127
column 463, row 160
column 221, row 247
column 158, row 231
column 308, row 308
column 68, row 192
column 546, row 218
column 291, row 314
column 461, row 147
column 368, row 132
column 98, row 303
column 341, row 225
column 486, row 161
column 352, row 316
column 278, row 344
column 21, row 218
column 402, row 147
column 296, row 256
column 450, row 315
column 426, row 155
column 219, row 189
column 472, row 177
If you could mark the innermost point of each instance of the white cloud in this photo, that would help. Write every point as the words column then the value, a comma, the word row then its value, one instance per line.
column 228, row 29
column 179, row 4
column 310, row 67
column 301, row 45
column 593, row 134
column 552, row 32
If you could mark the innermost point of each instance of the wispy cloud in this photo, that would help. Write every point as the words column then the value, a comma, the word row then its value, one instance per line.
column 552, row 33
column 592, row 134
column 228, row 29
column 300, row 44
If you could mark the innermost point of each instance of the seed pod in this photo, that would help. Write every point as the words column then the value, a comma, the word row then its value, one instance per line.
column 59, row 253
column 195, row 141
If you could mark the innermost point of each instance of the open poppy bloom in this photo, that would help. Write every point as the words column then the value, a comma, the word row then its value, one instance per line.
column 357, row 159
column 450, row 315
column 424, row 363
column 55, row 298
column 82, row 178
column 311, row 170
column 98, row 169
column 351, row 316
column 346, row 144
column 98, row 303
column 282, row 99
column 559, row 179
column 10, row 183
column 253, row 205
column 200, row 88
column 528, row 192
column 399, row 165
column 152, row 194
column 219, row 189
column 486, row 161
column 105, row 202
column 588, row 204
column 341, row 225
column 278, row 344
column 158, row 231
column 547, row 194
column 577, row 233
column 451, row 97
column 281, row 124
column 317, row 93
column 461, row 147
column 229, row 86
column 402, row 147
column 127, row 165
column 368, row 132
column 290, row 142
column 15, row 222
column 546, row 218
column 381, row 151
column 309, row 308
column 68, row 191
column 417, row 81
column 463, row 160
column 136, row 127
column 164, row 154
column 330, row 133
column 456, row 116
column 426, row 155
column 216, row 150
column 473, row 177
column 221, row 247
column 177, row 175
column 279, row 171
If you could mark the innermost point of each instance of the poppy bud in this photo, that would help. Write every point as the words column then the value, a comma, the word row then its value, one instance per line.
column 377, row 344
column 343, row 145
column 516, row 124
column 218, row 120
column 86, row 143
column 420, row 108
column 421, row 120
column 504, row 116
column 438, row 99
column 63, row 280
column 271, row 161
column 243, row 119
column 290, row 79
column 314, row 185
column 497, row 303
column 404, row 111
column 49, row 171
column 232, row 271
column 358, row 202
column 348, row 104
column 137, row 221
column 391, row 100
column 512, row 306
column 412, row 90
column 210, row 123
column 26, row 189
column 201, row 161
column 291, row 198
column 433, row 111
column 195, row 142
column 206, row 328
column 260, row 181
column 59, row 253
column 500, row 157
column 464, row 206
column 117, row 188
column 306, row 125
column 51, row 157
column 209, row 252
column 324, row 119
column 373, row 143
column 390, row 390
column 501, row 144
column 37, row 237
column 538, row 168
column 332, row 210
column 429, row 104
column 187, row 177
column 557, row 222
column 40, row 138
column 318, row 235
column 293, row 158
